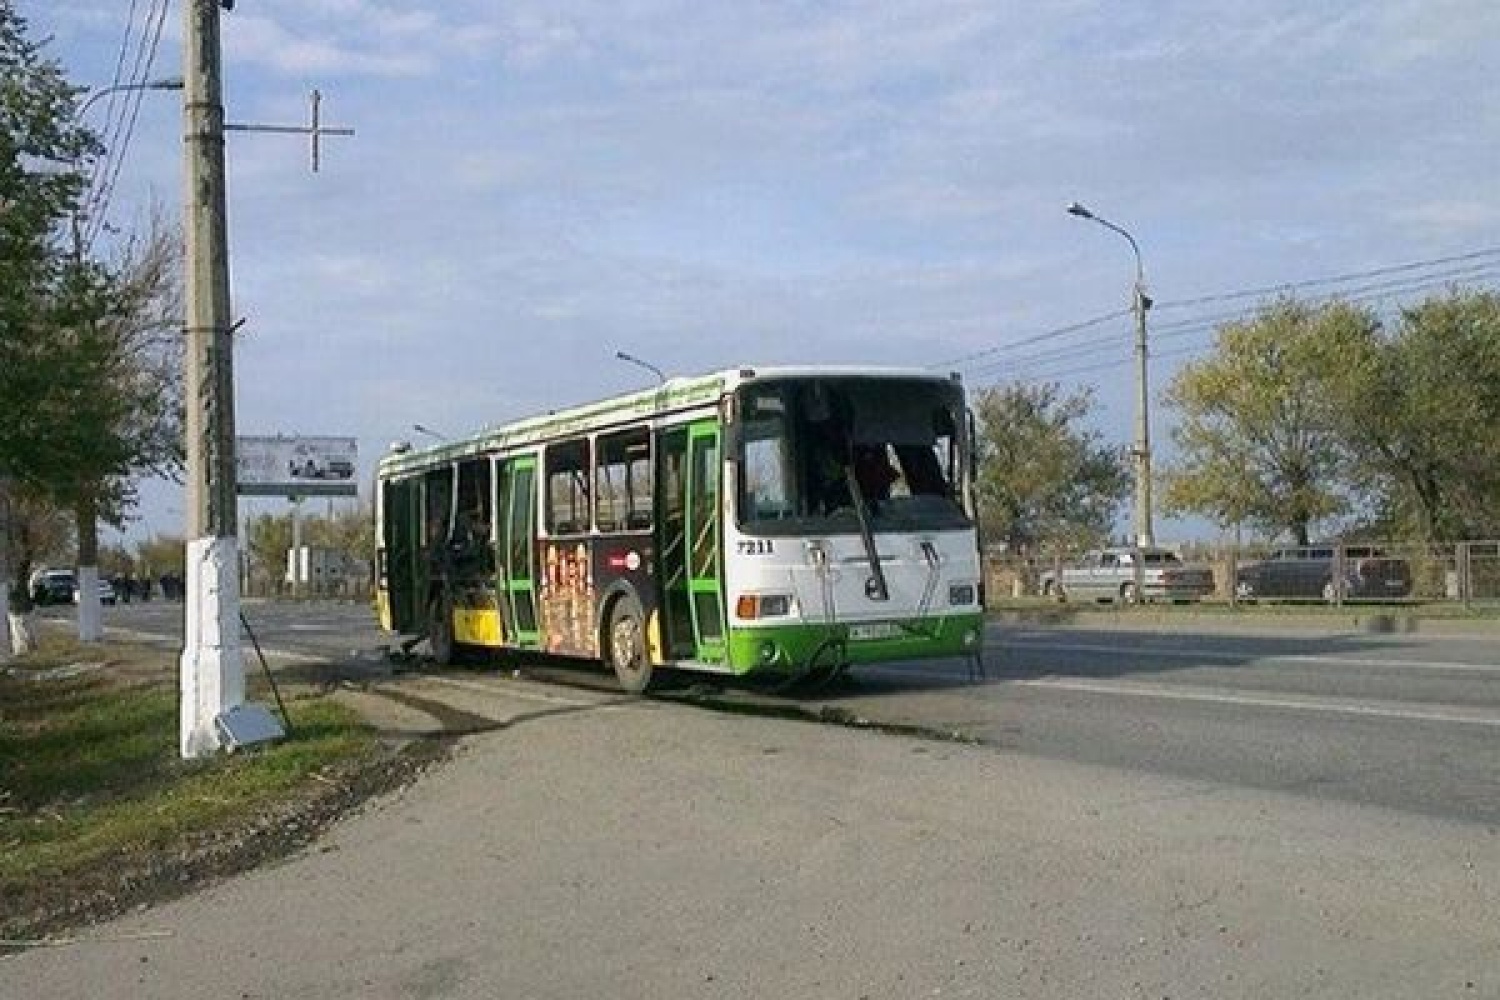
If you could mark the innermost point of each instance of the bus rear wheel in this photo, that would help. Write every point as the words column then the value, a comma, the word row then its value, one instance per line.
column 625, row 645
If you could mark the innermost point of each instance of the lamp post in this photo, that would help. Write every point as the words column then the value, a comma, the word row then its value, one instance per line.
column 660, row 376
column 429, row 432
column 1141, row 451
column 165, row 83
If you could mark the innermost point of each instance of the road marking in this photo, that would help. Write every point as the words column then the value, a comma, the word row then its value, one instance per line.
column 1442, row 714
column 1253, row 656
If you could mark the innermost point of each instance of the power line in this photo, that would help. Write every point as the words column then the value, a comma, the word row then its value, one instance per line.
column 1188, row 325
column 1061, row 331
column 145, row 59
column 1201, row 325
column 1334, row 279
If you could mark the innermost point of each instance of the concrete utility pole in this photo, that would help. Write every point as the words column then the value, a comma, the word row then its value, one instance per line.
column 212, row 674
column 1141, row 452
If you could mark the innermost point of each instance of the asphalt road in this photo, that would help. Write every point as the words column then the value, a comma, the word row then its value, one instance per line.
column 1408, row 721
column 1137, row 823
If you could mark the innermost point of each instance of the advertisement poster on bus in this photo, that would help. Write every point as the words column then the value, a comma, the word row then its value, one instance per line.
column 284, row 466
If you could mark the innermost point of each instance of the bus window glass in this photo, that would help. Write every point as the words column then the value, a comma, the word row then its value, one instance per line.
column 766, row 492
column 806, row 445
column 568, row 488
column 622, row 482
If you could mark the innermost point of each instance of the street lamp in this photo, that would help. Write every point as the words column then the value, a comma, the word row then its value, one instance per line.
column 429, row 432
column 1141, row 452
column 165, row 83
column 660, row 376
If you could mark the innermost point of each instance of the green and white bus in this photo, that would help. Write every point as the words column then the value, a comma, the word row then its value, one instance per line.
column 785, row 521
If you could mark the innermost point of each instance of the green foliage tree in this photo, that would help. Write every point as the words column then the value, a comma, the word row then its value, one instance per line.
column 113, row 403
column 351, row 531
column 268, row 538
column 44, row 157
column 88, row 349
column 1421, row 410
column 38, row 535
column 160, row 554
column 43, row 154
column 1043, row 477
column 1257, row 437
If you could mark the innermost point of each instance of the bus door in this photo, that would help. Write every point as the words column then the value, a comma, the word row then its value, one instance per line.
column 402, row 567
column 516, row 542
column 702, row 505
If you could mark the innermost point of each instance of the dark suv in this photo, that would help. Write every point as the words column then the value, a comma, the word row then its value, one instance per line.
column 1326, row 572
column 53, row 586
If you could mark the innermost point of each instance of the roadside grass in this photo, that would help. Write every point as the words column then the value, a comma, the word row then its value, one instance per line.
column 90, row 773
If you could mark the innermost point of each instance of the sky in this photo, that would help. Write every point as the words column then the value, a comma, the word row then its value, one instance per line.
column 534, row 186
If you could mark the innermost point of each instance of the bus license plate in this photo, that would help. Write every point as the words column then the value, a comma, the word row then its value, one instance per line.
column 874, row 630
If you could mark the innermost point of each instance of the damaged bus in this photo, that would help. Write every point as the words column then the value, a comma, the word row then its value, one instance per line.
column 784, row 521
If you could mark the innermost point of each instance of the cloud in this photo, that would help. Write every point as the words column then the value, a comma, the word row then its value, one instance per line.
column 711, row 184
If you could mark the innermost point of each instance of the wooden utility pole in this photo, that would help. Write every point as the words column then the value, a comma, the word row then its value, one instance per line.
column 212, row 674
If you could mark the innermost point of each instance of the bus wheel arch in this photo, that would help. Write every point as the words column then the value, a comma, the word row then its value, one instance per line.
column 623, row 642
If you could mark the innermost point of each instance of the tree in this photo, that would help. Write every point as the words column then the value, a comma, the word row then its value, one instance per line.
column 1258, row 435
column 39, row 536
column 1043, row 478
column 1420, row 410
column 114, row 399
column 42, row 155
column 160, row 554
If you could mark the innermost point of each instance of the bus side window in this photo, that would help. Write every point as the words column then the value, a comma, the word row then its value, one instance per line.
column 622, row 482
column 568, row 488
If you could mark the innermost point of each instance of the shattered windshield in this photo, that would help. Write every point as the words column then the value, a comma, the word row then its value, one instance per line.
column 808, row 447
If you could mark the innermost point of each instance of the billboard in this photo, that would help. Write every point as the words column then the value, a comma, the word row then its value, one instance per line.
column 296, row 466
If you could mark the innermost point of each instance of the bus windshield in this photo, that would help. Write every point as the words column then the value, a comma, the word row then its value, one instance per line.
column 809, row 450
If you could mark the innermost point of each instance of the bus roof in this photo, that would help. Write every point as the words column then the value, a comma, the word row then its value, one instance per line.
column 672, row 396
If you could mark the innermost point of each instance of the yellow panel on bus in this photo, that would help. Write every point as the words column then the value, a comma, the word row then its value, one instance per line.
column 477, row 627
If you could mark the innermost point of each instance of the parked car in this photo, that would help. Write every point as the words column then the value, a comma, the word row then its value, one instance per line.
column 53, row 586
column 1113, row 575
column 106, row 593
column 1328, row 572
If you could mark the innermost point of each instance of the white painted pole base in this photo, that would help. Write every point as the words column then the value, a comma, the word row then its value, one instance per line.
column 212, row 674
column 90, row 617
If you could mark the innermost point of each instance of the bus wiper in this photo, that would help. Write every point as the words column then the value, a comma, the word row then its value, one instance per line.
column 875, row 587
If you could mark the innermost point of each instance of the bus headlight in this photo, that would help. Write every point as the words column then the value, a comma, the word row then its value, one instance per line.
column 961, row 593
column 749, row 607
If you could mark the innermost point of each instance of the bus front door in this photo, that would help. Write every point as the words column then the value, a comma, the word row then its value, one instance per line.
column 702, row 506
column 517, row 549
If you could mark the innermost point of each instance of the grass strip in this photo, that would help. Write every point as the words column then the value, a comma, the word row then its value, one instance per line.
column 91, row 779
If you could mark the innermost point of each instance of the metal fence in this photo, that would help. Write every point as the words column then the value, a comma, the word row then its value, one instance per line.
column 1462, row 574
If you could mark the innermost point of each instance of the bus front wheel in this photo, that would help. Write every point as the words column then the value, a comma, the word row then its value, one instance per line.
column 626, row 645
